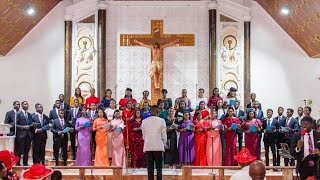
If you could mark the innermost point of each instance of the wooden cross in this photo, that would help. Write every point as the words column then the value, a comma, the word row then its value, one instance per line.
column 156, row 41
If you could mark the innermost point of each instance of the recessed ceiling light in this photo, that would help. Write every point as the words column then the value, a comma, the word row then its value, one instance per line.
column 29, row 10
column 285, row 10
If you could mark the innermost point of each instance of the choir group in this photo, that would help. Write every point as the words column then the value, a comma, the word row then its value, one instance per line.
column 204, row 134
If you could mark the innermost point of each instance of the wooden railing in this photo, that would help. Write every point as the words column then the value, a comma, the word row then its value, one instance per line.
column 117, row 171
column 287, row 172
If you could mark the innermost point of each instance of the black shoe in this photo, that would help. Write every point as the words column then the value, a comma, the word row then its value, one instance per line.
column 18, row 164
column 65, row 163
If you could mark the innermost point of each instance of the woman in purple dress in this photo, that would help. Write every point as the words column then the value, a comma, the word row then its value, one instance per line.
column 84, row 137
column 186, row 140
column 251, row 138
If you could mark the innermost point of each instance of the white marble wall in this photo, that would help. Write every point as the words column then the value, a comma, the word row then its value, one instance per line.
column 184, row 67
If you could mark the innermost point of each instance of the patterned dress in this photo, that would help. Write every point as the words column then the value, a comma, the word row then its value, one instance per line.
column 138, row 158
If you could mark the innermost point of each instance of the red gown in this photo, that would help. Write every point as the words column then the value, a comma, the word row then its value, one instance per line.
column 231, row 141
column 251, row 140
column 127, row 114
column 123, row 102
column 138, row 159
column 200, row 142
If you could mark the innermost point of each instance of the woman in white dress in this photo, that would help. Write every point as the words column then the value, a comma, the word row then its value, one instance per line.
column 109, row 113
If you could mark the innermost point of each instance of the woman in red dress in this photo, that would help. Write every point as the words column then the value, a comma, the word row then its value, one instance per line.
column 231, row 137
column 251, row 139
column 200, row 141
column 138, row 159
column 127, row 97
column 202, row 110
column 127, row 115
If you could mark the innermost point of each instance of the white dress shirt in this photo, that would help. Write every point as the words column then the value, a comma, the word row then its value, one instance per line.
column 306, row 143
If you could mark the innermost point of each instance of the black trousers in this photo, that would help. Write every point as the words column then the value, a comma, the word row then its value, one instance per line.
column 223, row 142
column 73, row 143
column 154, row 156
column 39, row 148
column 272, row 146
column 240, row 137
column 61, row 142
column 23, row 148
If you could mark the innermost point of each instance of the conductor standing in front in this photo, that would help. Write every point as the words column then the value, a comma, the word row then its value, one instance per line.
column 154, row 134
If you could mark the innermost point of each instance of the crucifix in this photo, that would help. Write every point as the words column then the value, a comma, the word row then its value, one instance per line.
column 156, row 42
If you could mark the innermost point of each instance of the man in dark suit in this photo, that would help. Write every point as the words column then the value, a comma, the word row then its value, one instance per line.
column 253, row 98
column 54, row 113
column 300, row 115
column 306, row 145
column 307, row 112
column 239, row 113
column 270, row 136
column 40, row 136
column 74, row 114
column 280, row 135
column 11, row 117
column 60, row 138
column 93, row 114
column 291, row 124
column 25, row 131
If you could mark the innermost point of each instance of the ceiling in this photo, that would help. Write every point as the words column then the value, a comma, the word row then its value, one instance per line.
column 302, row 24
column 15, row 23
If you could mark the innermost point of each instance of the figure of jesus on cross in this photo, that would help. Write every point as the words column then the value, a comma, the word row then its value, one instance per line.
column 156, row 42
column 156, row 61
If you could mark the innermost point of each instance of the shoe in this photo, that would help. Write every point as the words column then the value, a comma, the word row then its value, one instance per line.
column 18, row 164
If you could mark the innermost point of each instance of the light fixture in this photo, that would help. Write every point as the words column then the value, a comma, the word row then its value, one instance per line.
column 29, row 10
column 285, row 10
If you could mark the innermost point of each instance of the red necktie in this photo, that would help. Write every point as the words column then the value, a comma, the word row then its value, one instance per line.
column 311, row 163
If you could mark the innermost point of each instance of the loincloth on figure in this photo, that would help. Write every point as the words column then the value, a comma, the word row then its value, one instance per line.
column 156, row 67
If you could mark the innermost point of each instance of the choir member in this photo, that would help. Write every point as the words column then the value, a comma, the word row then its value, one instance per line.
column 11, row 117
column 54, row 113
column 202, row 110
column 144, row 99
column 171, row 153
column 118, row 150
column 63, row 105
column 307, row 112
column 230, row 137
column 300, row 115
column 145, row 110
column 181, row 110
column 84, row 138
column 220, row 110
column 93, row 115
column 251, row 127
column 280, row 135
column 77, row 95
column 269, row 127
column 231, row 97
column 292, row 126
column 107, row 98
column 167, row 101
column 183, row 98
column 213, row 144
column 201, row 98
column 200, row 140
column 25, row 133
column 99, row 125
column 40, row 136
column 212, row 102
column 186, row 140
column 241, row 115
column 138, row 158
column 163, row 113
column 127, row 115
column 91, row 99
column 109, row 113
column 253, row 98
column 60, row 137
column 127, row 97
column 74, row 114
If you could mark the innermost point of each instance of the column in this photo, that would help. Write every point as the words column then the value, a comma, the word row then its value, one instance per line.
column 247, row 72
column 212, row 47
column 101, row 55
column 67, row 57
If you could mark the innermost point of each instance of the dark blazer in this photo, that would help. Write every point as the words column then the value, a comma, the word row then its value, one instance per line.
column 240, row 113
column 293, row 125
column 95, row 116
column 9, row 119
column 66, row 107
column 72, row 118
column 56, row 127
column 45, row 122
column 250, row 106
column 23, row 121
column 259, row 115
column 53, row 115
column 270, row 137
column 299, row 155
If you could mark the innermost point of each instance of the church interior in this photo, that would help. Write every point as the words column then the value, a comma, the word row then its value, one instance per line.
column 51, row 47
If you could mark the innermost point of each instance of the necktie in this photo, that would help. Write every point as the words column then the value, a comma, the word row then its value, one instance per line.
column 40, row 118
column 269, row 120
column 74, row 113
column 61, row 123
column 92, row 114
column 26, row 115
column 288, row 121
column 310, row 144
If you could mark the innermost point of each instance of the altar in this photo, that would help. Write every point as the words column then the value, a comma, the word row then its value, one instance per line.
column 110, row 43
